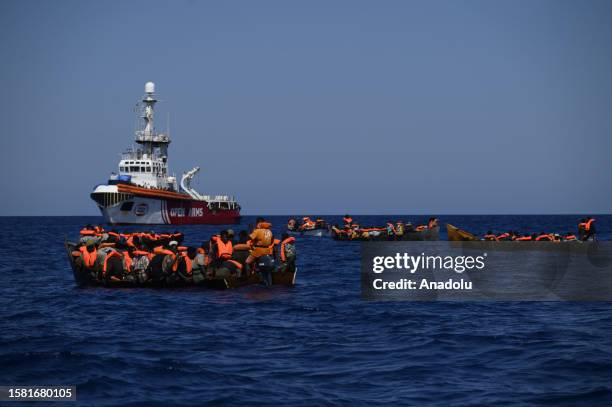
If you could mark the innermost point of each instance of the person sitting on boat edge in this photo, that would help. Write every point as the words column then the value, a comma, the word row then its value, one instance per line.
column 262, row 242
column 88, row 254
column 242, row 251
column 286, row 253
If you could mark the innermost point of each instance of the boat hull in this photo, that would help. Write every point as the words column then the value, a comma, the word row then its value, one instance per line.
column 86, row 278
column 312, row 232
column 139, row 210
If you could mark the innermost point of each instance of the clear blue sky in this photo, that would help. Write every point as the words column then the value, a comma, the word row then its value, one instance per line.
column 316, row 106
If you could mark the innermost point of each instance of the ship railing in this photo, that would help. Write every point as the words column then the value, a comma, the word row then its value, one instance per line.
column 156, row 138
column 218, row 198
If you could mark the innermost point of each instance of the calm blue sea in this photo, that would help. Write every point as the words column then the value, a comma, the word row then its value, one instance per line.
column 317, row 343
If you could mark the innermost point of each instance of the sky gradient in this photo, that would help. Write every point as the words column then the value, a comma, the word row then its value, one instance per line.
column 433, row 107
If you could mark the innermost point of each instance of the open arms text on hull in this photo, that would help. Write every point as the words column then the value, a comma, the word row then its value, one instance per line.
column 143, row 192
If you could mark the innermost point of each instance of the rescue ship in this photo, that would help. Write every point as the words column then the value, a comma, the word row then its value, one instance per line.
column 142, row 191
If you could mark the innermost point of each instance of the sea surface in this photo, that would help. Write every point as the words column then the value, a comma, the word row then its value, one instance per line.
column 316, row 343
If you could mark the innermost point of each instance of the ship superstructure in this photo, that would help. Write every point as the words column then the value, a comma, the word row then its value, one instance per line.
column 142, row 191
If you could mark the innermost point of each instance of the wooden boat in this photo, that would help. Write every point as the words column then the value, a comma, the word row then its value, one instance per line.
column 592, row 248
column 88, row 278
column 459, row 235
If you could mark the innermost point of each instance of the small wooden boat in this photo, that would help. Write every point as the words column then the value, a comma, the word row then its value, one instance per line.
column 456, row 234
column 459, row 235
column 85, row 277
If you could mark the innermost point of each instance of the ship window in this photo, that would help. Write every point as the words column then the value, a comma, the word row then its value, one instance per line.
column 121, row 169
column 134, row 169
column 142, row 169
column 127, row 206
column 148, row 169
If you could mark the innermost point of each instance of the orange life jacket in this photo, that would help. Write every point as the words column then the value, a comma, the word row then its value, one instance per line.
column 89, row 259
column 188, row 264
column 523, row 238
column 87, row 232
column 544, row 237
column 224, row 250
column 283, row 244
column 110, row 254
column 432, row 223
column 587, row 225
column 503, row 236
column 99, row 229
column 420, row 228
column 490, row 237
column 348, row 220
column 570, row 237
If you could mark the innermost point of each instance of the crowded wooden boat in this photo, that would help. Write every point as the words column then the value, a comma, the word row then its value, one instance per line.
column 149, row 259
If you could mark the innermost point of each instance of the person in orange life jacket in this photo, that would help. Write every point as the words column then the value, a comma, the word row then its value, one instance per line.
column 222, row 248
column 242, row 250
column 525, row 238
column 112, row 266
column 504, row 236
column 432, row 223
column 286, row 253
column 569, row 237
column 587, row 226
column 490, row 236
column 162, row 261
column 262, row 241
column 307, row 224
column 89, row 254
column 347, row 219
column 184, row 265
column 543, row 237
column 113, row 236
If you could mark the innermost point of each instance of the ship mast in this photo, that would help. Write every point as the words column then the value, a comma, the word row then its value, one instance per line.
column 147, row 137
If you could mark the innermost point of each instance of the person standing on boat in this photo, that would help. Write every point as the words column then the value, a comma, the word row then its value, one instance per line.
column 586, row 229
column 262, row 241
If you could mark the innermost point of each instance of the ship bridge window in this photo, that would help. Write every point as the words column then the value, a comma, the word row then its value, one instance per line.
column 134, row 169
column 148, row 169
column 142, row 169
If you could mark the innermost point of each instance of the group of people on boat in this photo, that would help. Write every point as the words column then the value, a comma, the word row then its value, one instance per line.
column 305, row 224
column 393, row 230
column 147, row 256
column 586, row 232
